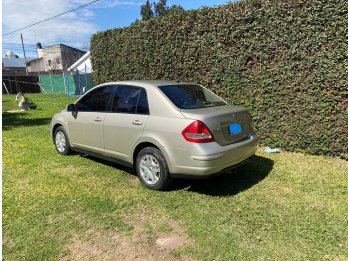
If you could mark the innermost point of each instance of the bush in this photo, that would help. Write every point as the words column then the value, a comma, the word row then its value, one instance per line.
column 287, row 61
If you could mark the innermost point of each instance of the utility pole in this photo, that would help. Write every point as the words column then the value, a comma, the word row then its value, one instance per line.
column 25, row 57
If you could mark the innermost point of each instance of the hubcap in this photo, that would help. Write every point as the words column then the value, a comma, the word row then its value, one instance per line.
column 149, row 169
column 60, row 141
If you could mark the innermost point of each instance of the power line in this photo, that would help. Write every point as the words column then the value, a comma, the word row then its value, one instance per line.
column 17, row 46
column 47, row 19
column 6, row 43
column 34, row 51
column 18, row 49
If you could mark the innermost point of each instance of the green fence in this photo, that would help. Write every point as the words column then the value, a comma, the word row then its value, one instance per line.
column 57, row 83
column 76, row 84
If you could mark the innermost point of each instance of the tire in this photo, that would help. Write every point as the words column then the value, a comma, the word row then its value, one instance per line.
column 152, row 169
column 61, row 141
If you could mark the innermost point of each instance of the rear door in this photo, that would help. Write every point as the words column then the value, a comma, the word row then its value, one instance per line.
column 86, row 129
column 124, row 125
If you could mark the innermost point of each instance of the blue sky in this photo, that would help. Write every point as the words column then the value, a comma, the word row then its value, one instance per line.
column 75, row 28
column 124, row 15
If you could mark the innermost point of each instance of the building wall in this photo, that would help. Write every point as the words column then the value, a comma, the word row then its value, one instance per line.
column 52, row 58
column 56, row 58
column 36, row 66
column 70, row 56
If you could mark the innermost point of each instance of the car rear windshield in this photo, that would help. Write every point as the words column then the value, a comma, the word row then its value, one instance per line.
column 191, row 96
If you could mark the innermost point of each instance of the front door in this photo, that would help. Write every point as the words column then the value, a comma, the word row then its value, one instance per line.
column 86, row 129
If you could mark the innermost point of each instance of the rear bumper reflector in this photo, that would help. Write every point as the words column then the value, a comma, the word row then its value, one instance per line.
column 207, row 158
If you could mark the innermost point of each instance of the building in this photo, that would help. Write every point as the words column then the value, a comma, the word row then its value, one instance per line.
column 14, row 76
column 12, row 65
column 54, row 59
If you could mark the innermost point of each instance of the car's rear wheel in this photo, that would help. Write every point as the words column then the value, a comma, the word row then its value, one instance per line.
column 61, row 141
column 152, row 169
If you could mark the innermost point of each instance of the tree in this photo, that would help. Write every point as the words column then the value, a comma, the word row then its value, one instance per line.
column 54, row 64
column 146, row 11
column 135, row 22
column 161, row 8
column 178, row 9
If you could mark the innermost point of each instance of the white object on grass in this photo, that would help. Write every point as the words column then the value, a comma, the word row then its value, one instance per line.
column 270, row 150
column 23, row 103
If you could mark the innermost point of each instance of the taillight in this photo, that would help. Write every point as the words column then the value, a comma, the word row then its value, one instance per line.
column 197, row 132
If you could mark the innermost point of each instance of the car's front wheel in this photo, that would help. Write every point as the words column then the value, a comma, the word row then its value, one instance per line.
column 152, row 169
column 61, row 141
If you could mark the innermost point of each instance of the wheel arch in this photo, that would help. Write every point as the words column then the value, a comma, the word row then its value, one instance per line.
column 54, row 129
column 141, row 146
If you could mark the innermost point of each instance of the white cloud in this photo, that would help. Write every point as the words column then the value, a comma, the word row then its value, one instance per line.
column 86, row 13
column 74, row 27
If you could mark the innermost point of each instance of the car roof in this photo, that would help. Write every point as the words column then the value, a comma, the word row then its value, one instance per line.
column 147, row 82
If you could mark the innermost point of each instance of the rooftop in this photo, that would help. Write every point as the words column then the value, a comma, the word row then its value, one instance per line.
column 13, row 62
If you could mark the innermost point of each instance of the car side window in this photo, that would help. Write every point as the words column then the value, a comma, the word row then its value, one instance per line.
column 130, row 99
column 97, row 100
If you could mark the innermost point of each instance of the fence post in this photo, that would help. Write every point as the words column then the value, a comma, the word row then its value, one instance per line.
column 51, row 82
column 68, row 84
column 86, row 82
column 5, row 87
column 64, row 82
column 79, row 82
column 42, row 89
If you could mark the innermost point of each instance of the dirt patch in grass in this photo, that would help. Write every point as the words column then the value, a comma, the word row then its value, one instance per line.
column 97, row 245
column 79, row 219
column 158, row 236
column 145, row 242
column 13, row 111
column 6, row 242
column 335, row 258
column 134, row 180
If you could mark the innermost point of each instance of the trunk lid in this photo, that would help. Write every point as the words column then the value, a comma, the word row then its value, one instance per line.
column 228, row 124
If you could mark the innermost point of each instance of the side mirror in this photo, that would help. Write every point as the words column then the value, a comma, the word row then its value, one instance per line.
column 71, row 107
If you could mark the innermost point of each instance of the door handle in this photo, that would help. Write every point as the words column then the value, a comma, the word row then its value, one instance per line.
column 136, row 122
column 98, row 120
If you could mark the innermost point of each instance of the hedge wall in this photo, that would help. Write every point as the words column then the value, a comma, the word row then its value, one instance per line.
column 287, row 61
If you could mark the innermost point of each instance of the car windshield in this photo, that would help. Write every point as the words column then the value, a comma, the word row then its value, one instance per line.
column 191, row 96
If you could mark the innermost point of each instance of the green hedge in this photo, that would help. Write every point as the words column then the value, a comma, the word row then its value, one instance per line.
column 287, row 61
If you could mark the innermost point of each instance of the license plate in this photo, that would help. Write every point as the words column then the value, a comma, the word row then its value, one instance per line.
column 235, row 129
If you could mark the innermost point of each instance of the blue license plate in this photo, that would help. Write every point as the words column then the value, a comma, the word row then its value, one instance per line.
column 235, row 129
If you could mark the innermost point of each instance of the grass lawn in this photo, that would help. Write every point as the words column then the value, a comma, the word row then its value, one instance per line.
column 287, row 206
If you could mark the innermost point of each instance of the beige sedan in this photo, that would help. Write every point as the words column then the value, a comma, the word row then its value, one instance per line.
column 162, row 129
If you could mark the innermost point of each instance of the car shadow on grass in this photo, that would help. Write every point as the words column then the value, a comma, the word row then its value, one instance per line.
column 113, row 164
column 19, row 119
column 229, row 183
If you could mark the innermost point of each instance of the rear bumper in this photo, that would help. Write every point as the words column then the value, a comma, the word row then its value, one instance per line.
column 207, row 159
